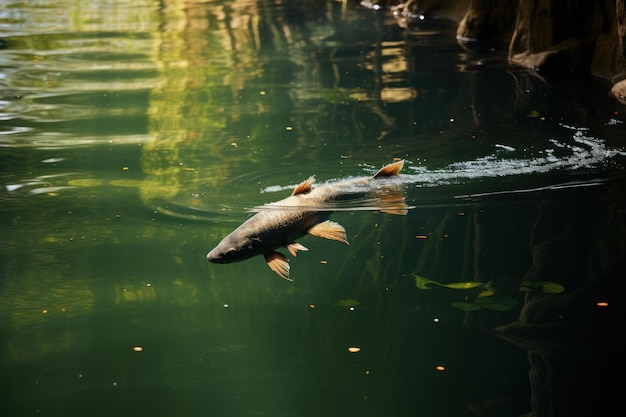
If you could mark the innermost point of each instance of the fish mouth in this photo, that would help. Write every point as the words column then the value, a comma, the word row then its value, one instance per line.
column 215, row 257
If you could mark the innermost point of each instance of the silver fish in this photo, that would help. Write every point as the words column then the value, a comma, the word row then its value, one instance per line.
column 279, row 224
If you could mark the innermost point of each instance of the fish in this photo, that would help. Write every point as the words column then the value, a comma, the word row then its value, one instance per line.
column 305, row 211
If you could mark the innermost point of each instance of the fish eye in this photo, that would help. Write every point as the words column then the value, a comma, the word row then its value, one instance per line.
column 230, row 251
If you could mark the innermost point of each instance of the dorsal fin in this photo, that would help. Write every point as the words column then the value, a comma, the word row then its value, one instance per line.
column 390, row 170
column 304, row 187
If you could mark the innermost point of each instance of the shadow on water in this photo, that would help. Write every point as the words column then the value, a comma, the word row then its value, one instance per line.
column 135, row 136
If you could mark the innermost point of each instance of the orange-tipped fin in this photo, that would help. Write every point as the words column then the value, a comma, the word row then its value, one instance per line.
column 392, row 202
column 390, row 170
column 304, row 187
column 294, row 247
column 279, row 264
column 329, row 230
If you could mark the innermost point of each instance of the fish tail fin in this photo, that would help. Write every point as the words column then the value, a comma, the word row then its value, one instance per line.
column 392, row 198
column 392, row 201
column 390, row 170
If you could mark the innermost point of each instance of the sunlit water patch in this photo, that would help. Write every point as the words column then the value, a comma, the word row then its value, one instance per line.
column 86, row 67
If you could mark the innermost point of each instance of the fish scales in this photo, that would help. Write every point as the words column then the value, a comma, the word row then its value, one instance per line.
column 284, row 221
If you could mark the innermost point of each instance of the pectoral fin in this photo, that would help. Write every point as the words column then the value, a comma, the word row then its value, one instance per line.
column 279, row 264
column 329, row 230
column 294, row 247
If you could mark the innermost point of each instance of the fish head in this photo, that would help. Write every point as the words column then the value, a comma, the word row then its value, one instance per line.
column 234, row 248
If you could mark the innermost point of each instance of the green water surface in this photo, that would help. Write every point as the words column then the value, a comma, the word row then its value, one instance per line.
column 134, row 135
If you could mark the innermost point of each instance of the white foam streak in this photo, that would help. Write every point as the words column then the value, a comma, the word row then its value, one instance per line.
column 583, row 152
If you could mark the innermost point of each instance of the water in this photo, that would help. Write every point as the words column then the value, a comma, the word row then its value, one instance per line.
column 135, row 135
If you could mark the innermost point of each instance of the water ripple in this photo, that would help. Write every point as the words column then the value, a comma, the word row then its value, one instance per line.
column 583, row 152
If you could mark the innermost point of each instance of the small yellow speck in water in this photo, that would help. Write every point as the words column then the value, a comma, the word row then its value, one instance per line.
column 354, row 349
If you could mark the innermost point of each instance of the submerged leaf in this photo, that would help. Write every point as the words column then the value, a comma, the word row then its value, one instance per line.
column 547, row 287
column 552, row 287
column 462, row 285
column 423, row 283
column 486, row 293
column 497, row 303
column 533, row 113
column 465, row 306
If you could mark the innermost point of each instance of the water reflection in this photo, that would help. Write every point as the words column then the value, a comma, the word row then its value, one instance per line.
column 134, row 135
column 245, row 119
